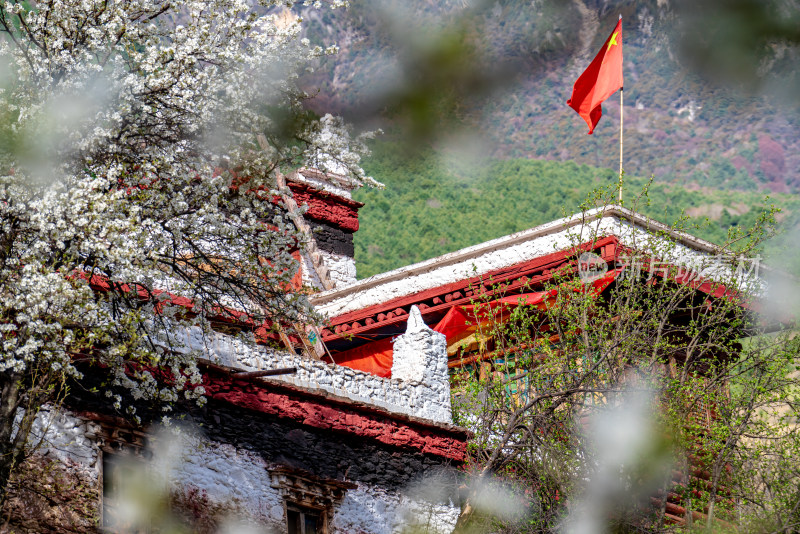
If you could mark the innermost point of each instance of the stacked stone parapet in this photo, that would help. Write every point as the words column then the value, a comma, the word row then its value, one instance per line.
column 419, row 386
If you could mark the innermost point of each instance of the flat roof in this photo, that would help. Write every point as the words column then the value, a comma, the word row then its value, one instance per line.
column 326, row 301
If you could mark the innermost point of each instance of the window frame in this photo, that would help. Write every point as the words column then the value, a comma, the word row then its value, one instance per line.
column 303, row 493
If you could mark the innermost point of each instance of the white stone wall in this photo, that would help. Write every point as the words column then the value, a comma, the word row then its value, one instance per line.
column 342, row 270
column 420, row 394
column 236, row 479
column 371, row 510
column 240, row 481
column 70, row 439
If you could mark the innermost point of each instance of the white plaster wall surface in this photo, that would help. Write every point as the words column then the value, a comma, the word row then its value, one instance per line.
column 234, row 478
column 341, row 268
column 420, row 355
column 241, row 480
column 309, row 275
column 371, row 510
column 70, row 439
column 510, row 250
column 425, row 395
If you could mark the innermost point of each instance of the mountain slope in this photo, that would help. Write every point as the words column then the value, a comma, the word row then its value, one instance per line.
column 429, row 209
column 678, row 128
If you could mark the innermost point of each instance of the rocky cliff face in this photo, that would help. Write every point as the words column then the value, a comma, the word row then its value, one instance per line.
column 521, row 59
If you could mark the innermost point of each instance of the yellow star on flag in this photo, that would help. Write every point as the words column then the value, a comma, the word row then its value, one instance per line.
column 613, row 40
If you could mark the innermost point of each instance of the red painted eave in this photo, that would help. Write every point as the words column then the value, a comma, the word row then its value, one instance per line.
column 324, row 411
column 327, row 207
column 515, row 279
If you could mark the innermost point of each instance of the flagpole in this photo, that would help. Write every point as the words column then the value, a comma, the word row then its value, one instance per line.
column 621, row 108
column 620, row 144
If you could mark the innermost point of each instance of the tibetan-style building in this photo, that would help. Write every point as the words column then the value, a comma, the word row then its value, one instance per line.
column 340, row 442
column 364, row 316
column 285, row 442
column 527, row 268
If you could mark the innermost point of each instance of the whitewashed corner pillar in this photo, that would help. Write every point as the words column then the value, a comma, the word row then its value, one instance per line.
column 420, row 355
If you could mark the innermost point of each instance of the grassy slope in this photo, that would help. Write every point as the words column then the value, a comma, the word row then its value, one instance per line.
column 427, row 209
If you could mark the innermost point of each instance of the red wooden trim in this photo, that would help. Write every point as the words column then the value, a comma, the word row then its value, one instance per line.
column 458, row 293
column 326, row 207
column 301, row 187
column 325, row 412
column 323, row 206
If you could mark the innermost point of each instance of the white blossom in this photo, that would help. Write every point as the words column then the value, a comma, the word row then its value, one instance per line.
column 130, row 156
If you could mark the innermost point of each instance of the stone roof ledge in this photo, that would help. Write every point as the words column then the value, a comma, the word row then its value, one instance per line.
column 631, row 228
column 420, row 388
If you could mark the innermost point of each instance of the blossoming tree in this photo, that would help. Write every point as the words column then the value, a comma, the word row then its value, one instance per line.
column 662, row 391
column 134, row 195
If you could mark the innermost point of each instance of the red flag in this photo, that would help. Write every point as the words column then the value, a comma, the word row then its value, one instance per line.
column 600, row 80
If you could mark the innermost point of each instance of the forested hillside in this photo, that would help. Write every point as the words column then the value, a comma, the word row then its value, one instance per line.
column 429, row 208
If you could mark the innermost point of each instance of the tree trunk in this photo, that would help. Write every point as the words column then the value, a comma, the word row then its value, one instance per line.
column 468, row 511
column 463, row 518
column 9, row 405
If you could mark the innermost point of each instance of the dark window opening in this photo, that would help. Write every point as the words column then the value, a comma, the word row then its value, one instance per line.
column 303, row 520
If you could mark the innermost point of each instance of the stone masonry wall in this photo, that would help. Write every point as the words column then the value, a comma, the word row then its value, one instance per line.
column 342, row 270
column 223, row 461
column 421, row 388
column 238, row 479
column 420, row 356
